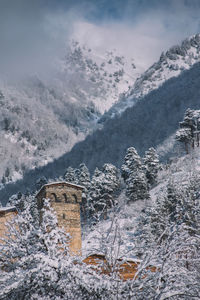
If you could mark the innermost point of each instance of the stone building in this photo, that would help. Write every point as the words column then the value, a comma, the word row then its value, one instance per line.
column 6, row 214
column 65, row 199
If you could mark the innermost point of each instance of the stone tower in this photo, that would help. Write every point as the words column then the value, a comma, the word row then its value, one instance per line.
column 65, row 199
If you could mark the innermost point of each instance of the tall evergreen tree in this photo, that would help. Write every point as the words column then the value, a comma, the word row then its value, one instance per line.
column 71, row 175
column 104, row 186
column 83, row 178
column 133, row 173
column 132, row 162
column 189, row 131
column 136, row 186
column 151, row 163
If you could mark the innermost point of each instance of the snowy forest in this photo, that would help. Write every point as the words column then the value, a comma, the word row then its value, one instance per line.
column 146, row 211
column 135, row 126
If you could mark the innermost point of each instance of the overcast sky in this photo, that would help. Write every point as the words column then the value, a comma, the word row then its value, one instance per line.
column 34, row 32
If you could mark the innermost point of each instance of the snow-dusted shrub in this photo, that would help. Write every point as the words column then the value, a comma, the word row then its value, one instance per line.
column 35, row 263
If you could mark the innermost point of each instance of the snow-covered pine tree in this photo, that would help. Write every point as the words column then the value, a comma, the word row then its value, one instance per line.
column 83, row 177
column 151, row 163
column 132, row 162
column 21, row 202
column 155, row 221
column 184, row 135
column 189, row 131
column 134, row 175
column 136, row 186
column 165, row 212
column 111, row 183
column 169, row 239
column 95, row 204
column 71, row 175
column 103, row 190
column 178, row 205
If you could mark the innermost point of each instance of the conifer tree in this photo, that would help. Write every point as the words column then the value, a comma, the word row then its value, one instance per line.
column 189, row 131
column 71, row 175
column 137, row 187
column 134, row 175
column 104, row 187
column 111, row 182
column 95, row 193
column 151, row 163
column 132, row 162
column 83, row 178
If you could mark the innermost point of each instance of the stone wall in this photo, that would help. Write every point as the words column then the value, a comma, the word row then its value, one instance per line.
column 69, row 218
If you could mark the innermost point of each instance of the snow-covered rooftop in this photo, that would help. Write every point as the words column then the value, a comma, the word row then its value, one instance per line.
column 125, row 259
column 65, row 182
column 60, row 183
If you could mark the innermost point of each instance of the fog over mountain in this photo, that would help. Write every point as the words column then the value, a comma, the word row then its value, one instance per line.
column 151, row 122
column 67, row 67
column 43, row 119
column 34, row 33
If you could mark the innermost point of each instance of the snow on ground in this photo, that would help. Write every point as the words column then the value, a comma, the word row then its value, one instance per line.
column 118, row 230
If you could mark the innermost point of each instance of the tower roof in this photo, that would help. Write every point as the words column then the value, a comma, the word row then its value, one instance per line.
column 69, row 184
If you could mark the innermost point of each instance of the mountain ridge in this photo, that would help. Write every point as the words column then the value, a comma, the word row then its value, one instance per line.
column 170, row 64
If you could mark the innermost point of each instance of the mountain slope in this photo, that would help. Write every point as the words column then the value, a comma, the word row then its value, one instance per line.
column 100, row 76
column 149, row 123
column 171, row 63
column 41, row 119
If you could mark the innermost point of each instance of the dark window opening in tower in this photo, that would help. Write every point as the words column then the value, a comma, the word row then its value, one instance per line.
column 55, row 198
column 74, row 198
column 65, row 198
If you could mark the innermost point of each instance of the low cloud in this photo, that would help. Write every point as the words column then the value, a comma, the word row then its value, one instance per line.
column 34, row 33
column 143, row 37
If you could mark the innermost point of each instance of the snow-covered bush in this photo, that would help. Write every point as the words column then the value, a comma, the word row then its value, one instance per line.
column 35, row 263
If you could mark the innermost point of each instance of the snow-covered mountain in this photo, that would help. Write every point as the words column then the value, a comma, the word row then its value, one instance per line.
column 101, row 76
column 171, row 63
column 152, row 122
column 41, row 119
